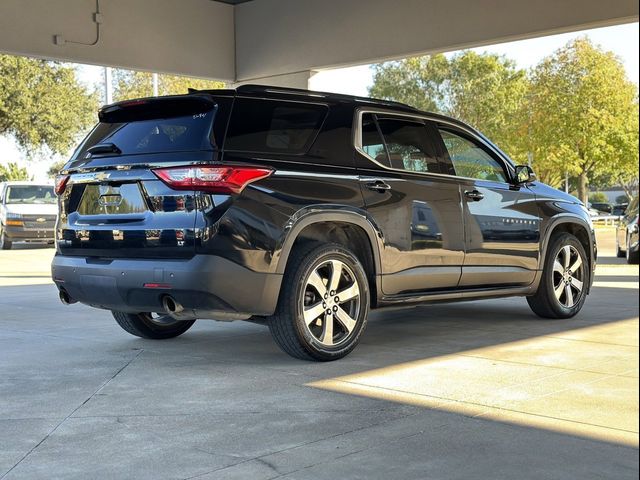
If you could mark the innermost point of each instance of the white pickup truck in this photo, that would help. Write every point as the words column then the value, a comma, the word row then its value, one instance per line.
column 27, row 213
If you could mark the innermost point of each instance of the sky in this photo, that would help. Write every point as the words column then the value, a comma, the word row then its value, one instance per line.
column 621, row 39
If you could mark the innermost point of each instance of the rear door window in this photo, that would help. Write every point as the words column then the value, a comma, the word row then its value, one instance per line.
column 372, row 142
column 271, row 126
column 407, row 142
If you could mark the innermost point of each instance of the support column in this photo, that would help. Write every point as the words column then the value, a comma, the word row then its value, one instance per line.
column 287, row 80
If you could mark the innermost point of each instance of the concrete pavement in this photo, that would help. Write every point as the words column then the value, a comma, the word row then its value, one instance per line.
column 471, row 390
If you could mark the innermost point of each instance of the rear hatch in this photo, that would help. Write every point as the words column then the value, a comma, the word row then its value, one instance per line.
column 112, row 204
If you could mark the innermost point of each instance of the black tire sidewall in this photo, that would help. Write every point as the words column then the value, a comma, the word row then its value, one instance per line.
column 308, row 341
column 631, row 257
column 137, row 324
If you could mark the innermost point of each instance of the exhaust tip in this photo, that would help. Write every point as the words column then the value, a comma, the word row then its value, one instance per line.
column 65, row 298
column 170, row 305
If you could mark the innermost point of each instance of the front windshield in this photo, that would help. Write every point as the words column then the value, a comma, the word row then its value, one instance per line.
column 30, row 194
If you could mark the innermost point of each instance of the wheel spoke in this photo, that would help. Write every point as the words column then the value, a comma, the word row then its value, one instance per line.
column 577, row 284
column 349, row 293
column 558, row 290
column 323, row 307
column 336, row 273
column 569, row 295
column 316, row 282
column 313, row 312
column 347, row 322
column 576, row 265
column 566, row 253
column 557, row 267
column 327, row 330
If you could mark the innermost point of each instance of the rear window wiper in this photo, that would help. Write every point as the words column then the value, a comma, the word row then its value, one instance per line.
column 104, row 148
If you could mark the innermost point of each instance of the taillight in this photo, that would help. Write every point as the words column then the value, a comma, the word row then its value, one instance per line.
column 61, row 183
column 211, row 179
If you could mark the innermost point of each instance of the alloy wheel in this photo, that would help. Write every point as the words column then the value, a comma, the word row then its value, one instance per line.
column 568, row 276
column 331, row 303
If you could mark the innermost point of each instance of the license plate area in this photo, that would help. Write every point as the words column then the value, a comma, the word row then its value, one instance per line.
column 112, row 199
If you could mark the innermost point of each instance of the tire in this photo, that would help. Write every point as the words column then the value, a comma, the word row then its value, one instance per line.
column 144, row 325
column 311, row 272
column 556, row 278
column 5, row 243
column 619, row 252
column 632, row 257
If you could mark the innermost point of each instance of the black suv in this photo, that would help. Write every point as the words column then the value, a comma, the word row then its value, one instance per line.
column 303, row 210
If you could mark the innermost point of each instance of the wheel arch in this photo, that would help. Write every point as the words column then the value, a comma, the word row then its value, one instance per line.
column 351, row 228
column 576, row 226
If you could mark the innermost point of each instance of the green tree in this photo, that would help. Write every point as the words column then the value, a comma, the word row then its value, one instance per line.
column 55, row 168
column 131, row 84
column 42, row 103
column 12, row 172
column 622, row 199
column 583, row 115
column 484, row 90
column 598, row 197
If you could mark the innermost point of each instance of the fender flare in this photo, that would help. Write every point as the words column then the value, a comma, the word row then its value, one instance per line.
column 568, row 218
column 328, row 213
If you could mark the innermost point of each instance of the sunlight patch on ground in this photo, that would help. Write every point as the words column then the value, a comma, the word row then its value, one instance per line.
column 582, row 382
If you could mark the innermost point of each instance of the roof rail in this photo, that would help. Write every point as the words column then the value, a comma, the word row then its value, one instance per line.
column 254, row 88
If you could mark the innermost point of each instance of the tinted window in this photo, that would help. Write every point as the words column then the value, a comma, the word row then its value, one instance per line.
column 470, row 160
column 408, row 145
column 30, row 194
column 186, row 133
column 372, row 143
column 272, row 126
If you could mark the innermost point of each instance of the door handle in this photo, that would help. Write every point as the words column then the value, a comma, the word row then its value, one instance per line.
column 378, row 186
column 474, row 195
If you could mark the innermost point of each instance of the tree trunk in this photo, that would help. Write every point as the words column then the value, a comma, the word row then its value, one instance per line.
column 582, row 187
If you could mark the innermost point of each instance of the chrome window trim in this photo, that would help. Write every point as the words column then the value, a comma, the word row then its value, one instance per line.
column 357, row 143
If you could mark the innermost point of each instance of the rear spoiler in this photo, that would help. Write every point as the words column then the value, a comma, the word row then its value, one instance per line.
column 156, row 107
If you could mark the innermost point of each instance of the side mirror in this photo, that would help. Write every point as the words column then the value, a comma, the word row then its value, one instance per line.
column 524, row 174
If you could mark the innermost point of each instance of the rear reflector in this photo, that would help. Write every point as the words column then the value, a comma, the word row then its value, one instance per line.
column 211, row 179
column 61, row 183
column 157, row 285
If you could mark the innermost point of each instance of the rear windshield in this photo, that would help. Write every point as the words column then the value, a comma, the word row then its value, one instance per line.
column 152, row 128
column 30, row 194
column 273, row 126
column 153, row 136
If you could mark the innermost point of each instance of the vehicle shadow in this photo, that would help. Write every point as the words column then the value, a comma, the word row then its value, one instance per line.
column 408, row 334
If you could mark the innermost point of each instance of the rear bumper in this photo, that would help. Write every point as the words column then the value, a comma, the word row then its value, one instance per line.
column 20, row 234
column 204, row 283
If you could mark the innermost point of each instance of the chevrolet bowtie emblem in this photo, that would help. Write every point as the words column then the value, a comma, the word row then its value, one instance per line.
column 41, row 220
column 102, row 176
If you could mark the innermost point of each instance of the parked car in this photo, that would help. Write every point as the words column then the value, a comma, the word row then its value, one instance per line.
column 619, row 209
column 27, row 213
column 304, row 210
column 627, row 233
column 605, row 208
